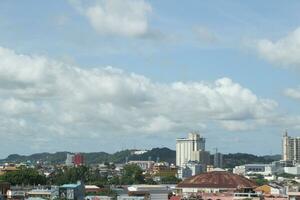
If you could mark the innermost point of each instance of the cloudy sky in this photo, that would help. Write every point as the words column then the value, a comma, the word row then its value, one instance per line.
column 108, row 75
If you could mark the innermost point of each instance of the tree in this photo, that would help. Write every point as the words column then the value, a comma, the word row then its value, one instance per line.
column 132, row 174
column 170, row 180
column 25, row 176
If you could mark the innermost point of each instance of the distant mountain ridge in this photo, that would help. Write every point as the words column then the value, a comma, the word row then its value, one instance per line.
column 162, row 154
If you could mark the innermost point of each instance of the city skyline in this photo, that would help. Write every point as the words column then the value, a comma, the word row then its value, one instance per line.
column 101, row 75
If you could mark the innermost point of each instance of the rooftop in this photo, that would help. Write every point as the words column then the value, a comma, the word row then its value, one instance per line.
column 217, row 179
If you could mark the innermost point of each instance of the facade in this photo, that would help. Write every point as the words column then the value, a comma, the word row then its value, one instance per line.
column 292, row 170
column 78, row 159
column 191, row 149
column 69, row 160
column 72, row 191
column 98, row 198
column 42, row 193
column 92, row 189
column 218, row 160
column 153, row 192
column 190, row 169
column 220, row 182
column 263, row 169
column 291, row 148
column 273, row 190
column 74, row 160
column 163, row 169
column 143, row 164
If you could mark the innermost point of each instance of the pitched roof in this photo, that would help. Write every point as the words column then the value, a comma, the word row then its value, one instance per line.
column 217, row 179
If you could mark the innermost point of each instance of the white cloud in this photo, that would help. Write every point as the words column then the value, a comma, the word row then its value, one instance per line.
column 293, row 93
column 284, row 51
column 117, row 17
column 46, row 99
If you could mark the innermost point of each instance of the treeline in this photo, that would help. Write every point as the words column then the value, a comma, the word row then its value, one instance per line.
column 161, row 154
column 131, row 174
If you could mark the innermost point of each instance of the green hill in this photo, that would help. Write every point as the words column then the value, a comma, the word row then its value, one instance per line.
column 163, row 154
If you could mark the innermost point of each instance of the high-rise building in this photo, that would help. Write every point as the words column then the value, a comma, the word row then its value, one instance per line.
column 291, row 148
column 218, row 160
column 69, row 159
column 78, row 159
column 191, row 149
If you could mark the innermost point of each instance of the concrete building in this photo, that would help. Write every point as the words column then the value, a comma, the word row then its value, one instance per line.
column 292, row 170
column 78, row 159
column 153, row 192
column 191, row 149
column 191, row 168
column 263, row 169
column 216, row 182
column 291, row 148
column 98, row 198
column 143, row 164
column 43, row 193
column 218, row 160
column 69, row 160
column 72, row 191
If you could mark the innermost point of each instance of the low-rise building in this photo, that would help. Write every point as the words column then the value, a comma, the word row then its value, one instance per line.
column 92, row 189
column 143, row 164
column 217, row 182
column 143, row 192
column 263, row 169
column 191, row 168
column 42, row 193
column 98, row 198
column 72, row 191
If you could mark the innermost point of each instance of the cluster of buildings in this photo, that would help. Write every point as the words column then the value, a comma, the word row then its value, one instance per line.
column 192, row 157
column 202, row 177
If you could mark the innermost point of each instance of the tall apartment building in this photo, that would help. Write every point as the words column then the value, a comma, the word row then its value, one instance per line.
column 291, row 148
column 191, row 148
column 218, row 160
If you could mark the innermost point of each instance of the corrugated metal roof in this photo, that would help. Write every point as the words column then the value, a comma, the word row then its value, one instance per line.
column 217, row 179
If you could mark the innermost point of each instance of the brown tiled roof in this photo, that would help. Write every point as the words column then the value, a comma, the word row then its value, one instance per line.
column 217, row 179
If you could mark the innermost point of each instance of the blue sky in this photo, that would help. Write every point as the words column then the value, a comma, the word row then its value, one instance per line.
column 108, row 75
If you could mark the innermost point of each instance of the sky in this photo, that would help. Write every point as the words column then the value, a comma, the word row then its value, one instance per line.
column 108, row 75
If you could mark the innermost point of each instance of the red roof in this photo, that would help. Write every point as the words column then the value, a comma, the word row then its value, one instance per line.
column 217, row 179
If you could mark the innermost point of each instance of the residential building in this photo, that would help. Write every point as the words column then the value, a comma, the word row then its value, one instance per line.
column 263, row 169
column 43, row 193
column 191, row 148
column 92, row 189
column 70, row 160
column 295, row 170
column 269, row 189
column 72, row 191
column 96, row 197
column 218, row 160
column 153, row 192
column 78, row 159
column 162, row 169
column 143, row 164
column 291, row 148
column 191, row 168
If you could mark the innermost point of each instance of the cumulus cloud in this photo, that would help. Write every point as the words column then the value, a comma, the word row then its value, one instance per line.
column 284, row 51
column 293, row 93
column 117, row 17
column 45, row 99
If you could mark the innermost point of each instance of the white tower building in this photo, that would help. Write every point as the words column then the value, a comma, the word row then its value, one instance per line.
column 291, row 148
column 191, row 149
